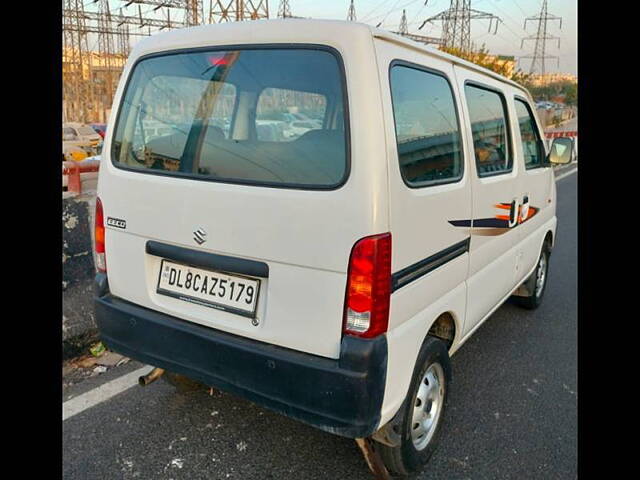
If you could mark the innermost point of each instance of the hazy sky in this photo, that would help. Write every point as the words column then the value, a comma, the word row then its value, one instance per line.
column 506, row 42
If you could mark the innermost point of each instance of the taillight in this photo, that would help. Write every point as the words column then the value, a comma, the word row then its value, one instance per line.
column 366, row 310
column 101, row 261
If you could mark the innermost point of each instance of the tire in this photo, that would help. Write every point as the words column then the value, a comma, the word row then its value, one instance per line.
column 414, row 451
column 534, row 300
column 181, row 383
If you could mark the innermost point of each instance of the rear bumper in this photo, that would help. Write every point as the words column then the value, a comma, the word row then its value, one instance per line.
column 341, row 396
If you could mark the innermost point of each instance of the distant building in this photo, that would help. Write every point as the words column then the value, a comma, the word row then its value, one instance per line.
column 547, row 78
column 94, row 79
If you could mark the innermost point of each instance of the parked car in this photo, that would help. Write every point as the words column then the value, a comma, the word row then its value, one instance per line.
column 73, row 153
column 81, row 136
column 329, row 278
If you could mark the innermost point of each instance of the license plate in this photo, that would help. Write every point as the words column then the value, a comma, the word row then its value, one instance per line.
column 222, row 291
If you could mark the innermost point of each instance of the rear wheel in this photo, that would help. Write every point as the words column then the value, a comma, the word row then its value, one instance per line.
column 423, row 411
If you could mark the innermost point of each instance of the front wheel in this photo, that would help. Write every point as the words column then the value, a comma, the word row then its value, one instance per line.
column 423, row 411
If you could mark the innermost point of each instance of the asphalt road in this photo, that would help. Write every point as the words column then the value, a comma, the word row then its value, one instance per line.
column 512, row 411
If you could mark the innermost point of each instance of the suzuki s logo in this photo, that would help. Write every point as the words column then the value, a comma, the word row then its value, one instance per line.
column 200, row 236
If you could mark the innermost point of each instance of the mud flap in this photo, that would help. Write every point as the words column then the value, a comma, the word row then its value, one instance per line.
column 372, row 456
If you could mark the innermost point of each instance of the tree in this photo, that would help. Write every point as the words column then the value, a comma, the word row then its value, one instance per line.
column 491, row 62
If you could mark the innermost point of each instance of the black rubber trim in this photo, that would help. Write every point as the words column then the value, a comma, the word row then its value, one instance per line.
column 101, row 284
column 211, row 261
column 341, row 396
column 418, row 269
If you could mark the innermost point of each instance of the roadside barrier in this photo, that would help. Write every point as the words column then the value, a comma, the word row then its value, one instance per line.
column 71, row 174
column 563, row 133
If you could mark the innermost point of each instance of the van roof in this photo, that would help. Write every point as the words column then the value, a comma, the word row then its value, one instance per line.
column 296, row 31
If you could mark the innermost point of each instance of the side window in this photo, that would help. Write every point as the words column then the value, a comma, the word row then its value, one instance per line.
column 487, row 112
column 286, row 115
column 532, row 150
column 426, row 122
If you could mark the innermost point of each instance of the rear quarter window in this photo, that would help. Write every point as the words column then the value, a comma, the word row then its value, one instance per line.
column 229, row 116
column 426, row 124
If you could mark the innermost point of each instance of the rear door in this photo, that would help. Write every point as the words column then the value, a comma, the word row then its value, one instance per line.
column 495, row 195
column 235, row 190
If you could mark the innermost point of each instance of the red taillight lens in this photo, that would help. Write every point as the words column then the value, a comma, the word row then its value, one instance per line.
column 366, row 310
column 101, row 262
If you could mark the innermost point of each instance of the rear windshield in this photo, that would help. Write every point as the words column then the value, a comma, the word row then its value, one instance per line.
column 258, row 116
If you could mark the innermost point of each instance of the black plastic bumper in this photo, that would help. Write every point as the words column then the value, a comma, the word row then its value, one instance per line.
column 341, row 396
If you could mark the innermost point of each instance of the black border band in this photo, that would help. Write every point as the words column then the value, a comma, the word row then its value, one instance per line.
column 212, row 261
column 418, row 269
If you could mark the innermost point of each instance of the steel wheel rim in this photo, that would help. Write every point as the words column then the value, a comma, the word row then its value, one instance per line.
column 427, row 406
column 541, row 274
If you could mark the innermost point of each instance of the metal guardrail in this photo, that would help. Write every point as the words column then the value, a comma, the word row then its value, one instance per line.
column 71, row 173
column 562, row 133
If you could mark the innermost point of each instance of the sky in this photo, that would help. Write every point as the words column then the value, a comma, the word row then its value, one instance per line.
column 507, row 40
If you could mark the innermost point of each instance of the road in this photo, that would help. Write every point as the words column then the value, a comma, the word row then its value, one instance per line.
column 512, row 411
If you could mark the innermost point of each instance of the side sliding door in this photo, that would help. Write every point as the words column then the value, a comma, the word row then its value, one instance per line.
column 493, row 178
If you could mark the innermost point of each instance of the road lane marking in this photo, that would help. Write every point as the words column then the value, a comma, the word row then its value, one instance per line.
column 566, row 174
column 102, row 393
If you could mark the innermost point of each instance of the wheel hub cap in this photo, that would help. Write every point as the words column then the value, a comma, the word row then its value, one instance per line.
column 541, row 274
column 427, row 406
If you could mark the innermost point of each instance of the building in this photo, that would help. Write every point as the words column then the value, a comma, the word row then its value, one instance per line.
column 547, row 78
column 88, row 85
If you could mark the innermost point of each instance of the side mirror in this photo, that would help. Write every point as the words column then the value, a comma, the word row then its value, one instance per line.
column 561, row 151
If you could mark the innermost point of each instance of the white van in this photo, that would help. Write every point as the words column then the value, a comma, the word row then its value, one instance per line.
column 327, row 275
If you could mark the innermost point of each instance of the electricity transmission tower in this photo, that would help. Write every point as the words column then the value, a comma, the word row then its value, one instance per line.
column 541, row 37
column 403, row 30
column 456, row 23
column 284, row 9
column 351, row 15
column 96, row 42
column 238, row 10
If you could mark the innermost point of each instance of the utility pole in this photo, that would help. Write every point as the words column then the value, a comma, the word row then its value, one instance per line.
column 284, row 9
column 456, row 23
column 541, row 37
column 351, row 15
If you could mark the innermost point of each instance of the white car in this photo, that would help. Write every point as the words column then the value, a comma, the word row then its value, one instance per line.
column 81, row 136
column 329, row 278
